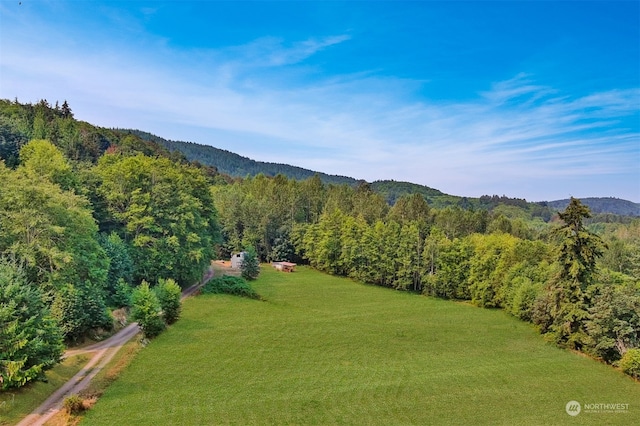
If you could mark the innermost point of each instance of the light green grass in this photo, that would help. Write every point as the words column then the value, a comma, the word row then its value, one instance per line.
column 17, row 404
column 326, row 350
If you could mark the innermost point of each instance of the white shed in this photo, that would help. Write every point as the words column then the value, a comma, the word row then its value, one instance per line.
column 236, row 260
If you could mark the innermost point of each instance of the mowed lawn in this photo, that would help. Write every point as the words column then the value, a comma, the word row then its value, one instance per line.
column 326, row 350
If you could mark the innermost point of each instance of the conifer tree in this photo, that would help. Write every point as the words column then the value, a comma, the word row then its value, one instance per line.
column 572, row 290
column 30, row 340
column 250, row 267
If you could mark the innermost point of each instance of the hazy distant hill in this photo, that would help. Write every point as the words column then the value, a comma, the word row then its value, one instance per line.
column 602, row 205
column 236, row 165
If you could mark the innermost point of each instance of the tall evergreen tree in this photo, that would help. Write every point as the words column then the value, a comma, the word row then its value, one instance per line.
column 572, row 292
column 250, row 267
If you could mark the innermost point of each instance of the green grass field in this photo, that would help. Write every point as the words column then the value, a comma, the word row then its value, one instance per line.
column 325, row 350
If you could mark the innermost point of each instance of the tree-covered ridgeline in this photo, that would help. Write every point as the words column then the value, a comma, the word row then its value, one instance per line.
column 98, row 219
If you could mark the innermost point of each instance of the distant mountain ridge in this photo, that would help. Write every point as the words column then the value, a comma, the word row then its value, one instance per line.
column 602, row 205
column 238, row 166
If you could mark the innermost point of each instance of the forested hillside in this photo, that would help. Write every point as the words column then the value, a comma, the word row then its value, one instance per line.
column 95, row 220
column 236, row 165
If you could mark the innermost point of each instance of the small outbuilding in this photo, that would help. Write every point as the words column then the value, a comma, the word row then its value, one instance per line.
column 284, row 266
column 236, row 259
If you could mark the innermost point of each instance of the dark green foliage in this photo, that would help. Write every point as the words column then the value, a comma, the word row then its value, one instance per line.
column 147, row 311
column 120, row 267
column 94, row 306
column 393, row 190
column 68, row 310
column 30, row 340
column 630, row 363
column 250, row 266
column 572, row 289
column 159, row 216
column 228, row 284
column 613, row 325
column 79, row 309
column 122, row 294
column 166, row 212
column 11, row 140
column 283, row 249
column 579, row 248
column 169, row 294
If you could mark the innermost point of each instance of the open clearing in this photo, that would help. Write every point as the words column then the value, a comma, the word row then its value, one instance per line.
column 326, row 350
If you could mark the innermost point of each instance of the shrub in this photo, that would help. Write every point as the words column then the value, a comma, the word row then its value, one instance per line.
column 630, row 363
column 169, row 294
column 73, row 404
column 227, row 284
column 147, row 311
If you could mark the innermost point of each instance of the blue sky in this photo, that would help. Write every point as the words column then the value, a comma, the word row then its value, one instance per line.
column 537, row 100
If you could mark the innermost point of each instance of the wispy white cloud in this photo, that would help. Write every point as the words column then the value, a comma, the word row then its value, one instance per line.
column 275, row 52
column 516, row 135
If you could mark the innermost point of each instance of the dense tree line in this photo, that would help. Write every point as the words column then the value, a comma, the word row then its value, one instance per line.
column 579, row 289
column 557, row 282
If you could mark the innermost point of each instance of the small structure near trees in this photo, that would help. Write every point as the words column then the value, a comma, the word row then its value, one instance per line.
column 237, row 259
column 284, row 266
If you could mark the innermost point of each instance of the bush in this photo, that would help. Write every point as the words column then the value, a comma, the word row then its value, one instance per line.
column 227, row 284
column 169, row 294
column 73, row 404
column 147, row 311
column 630, row 363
